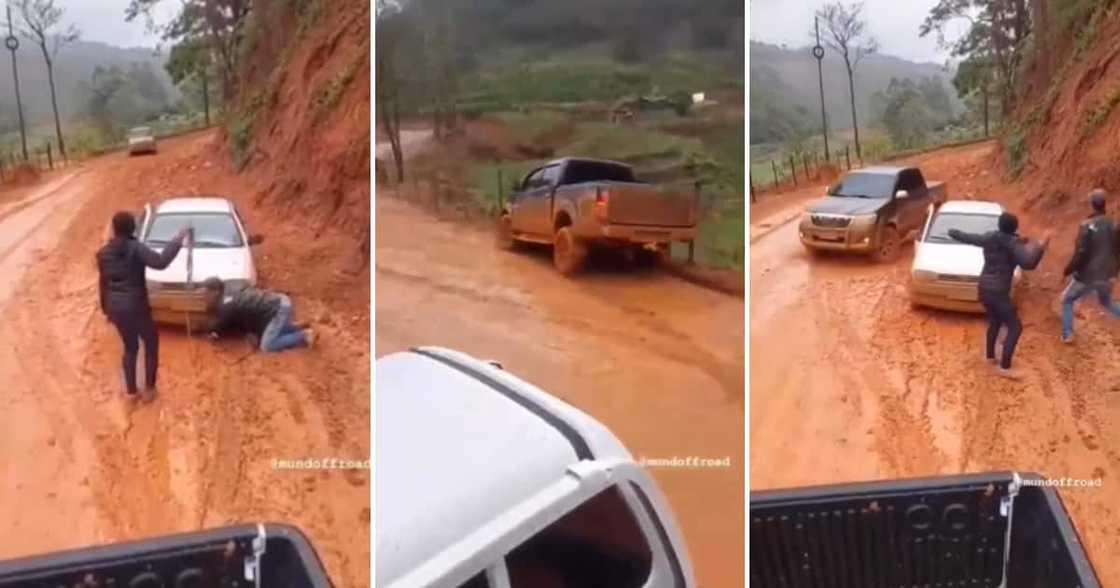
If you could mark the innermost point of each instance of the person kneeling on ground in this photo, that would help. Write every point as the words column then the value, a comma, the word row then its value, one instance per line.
column 1004, row 250
column 264, row 315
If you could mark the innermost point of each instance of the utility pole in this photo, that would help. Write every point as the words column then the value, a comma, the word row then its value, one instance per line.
column 12, row 43
column 818, row 53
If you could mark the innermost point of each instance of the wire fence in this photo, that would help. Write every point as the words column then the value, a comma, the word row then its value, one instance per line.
column 799, row 170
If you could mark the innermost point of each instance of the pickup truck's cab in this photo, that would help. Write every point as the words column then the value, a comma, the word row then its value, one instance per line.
column 873, row 210
column 574, row 204
column 986, row 530
column 484, row 481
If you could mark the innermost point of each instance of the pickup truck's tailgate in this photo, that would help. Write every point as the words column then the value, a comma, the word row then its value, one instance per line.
column 643, row 204
column 950, row 531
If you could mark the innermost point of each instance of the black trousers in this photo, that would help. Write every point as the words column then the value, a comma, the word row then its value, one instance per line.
column 1001, row 313
column 135, row 326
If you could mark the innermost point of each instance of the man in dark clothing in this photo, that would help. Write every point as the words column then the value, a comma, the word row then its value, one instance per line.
column 1004, row 251
column 122, row 264
column 265, row 315
column 1094, row 264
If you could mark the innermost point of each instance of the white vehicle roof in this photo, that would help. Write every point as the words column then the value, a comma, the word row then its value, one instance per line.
column 971, row 207
column 460, row 442
column 195, row 204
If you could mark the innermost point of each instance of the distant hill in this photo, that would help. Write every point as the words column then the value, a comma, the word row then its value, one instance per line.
column 784, row 85
column 74, row 64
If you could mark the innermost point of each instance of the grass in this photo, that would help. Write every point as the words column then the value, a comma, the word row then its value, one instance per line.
column 629, row 144
column 1096, row 117
column 587, row 81
column 525, row 126
column 1016, row 147
column 327, row 98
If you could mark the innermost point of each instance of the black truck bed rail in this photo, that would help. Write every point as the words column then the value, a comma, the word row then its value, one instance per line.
column 984, row 530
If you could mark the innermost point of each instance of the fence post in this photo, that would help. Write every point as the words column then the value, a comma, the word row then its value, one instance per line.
column 501, row 191
column 848, row 157
column 805, row 164
column 777, row 177
column 50, row 156
column 750, row 181
column 793, row 170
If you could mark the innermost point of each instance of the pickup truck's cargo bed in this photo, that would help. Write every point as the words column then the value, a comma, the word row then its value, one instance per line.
column 927, row 532
column 643, row 204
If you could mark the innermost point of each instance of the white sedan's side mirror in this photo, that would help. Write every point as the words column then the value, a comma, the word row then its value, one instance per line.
column 901, row 194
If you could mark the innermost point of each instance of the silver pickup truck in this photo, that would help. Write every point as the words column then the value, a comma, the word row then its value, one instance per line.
column 577, row 204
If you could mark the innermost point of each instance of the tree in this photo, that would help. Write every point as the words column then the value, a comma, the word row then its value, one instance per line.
column 220, row 24
column 974, row 80
column 41, row 20
column 907, row 115
column 997, row 34
column 845, row 32
column 190, row 61
column 389, row 20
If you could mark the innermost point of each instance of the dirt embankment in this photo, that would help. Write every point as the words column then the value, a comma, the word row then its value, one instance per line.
column 302, row 123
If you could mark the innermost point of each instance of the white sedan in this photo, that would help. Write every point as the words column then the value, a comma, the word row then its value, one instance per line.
column 222, row 248
column 946, row 272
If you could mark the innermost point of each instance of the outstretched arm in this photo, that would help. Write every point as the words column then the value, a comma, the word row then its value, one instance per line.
column 967, row 238
column 163, row 259
column 1028, row 254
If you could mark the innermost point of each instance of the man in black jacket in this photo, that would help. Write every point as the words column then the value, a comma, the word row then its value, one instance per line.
column 265, row 315
column 122, row 264
column 1004, row 251
column 1094, row 264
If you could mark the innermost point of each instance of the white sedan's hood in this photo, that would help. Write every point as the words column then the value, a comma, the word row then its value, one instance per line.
column 956, row 259
column 226, row 264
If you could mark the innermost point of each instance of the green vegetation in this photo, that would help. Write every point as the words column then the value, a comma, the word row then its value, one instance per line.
column 327, row 98
column 1015, row 144
column 1096, row 116
column 309, row 12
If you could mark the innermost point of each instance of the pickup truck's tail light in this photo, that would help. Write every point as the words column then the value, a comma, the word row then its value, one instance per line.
column 602, row 198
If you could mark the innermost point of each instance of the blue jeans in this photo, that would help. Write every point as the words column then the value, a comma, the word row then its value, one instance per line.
column 281, row 334
column 1076, row 291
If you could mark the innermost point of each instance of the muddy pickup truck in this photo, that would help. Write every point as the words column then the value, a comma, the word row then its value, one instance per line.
column 872, row 211
column 578, row 204
column 985, row 530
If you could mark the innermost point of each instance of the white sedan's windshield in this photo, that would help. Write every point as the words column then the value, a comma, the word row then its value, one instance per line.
column 140, row 132
column 969, row 223
column 211, row 230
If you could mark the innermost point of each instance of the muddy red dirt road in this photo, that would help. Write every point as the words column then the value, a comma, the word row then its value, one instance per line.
column 658, row 360
column 848, row 383
column 82, row 468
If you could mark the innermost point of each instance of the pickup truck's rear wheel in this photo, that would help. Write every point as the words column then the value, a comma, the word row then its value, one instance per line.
column 888, row 247
column 503, row 233
column 568, row 252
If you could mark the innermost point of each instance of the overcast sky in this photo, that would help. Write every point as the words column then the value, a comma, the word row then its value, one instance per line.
column 893, row 22
column 103, row 20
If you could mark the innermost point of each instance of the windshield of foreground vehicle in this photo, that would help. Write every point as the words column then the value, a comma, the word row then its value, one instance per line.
column 211, row 230
column 969, row 223
column 864, row 186
column 140, row 132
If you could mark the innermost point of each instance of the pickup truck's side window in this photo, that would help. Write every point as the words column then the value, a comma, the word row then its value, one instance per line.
column 533, row 180
column 911, row 181
column 598, row 545
column 551, row 176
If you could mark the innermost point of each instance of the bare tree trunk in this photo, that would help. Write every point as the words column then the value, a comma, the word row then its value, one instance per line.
column 852, row 94
column 54, row 105
column 985, row 93
column 206, row 96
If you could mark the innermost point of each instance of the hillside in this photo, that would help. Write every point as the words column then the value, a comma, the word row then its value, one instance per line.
column 784, row 86
column 1063, row 140
column 75, row 64
column 302, row 121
